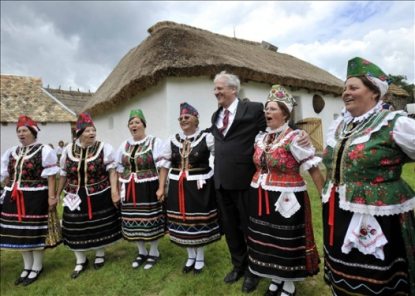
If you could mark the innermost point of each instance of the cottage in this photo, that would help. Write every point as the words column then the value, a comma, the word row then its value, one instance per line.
column 177, row 63
column 25, row 95
column 397, row 97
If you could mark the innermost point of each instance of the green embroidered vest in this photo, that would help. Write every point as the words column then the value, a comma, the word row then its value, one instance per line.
column 369, row 168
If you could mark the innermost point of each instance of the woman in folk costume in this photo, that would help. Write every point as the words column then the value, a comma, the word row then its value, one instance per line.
column 142, row 189
column 191, row 207
column 280, row 235
column 88, row 178
column 28, row 171
column 368, row 218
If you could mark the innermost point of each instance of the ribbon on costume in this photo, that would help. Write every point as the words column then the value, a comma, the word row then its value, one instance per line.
column 17, row 196
column 182, row 204
column 260, row 201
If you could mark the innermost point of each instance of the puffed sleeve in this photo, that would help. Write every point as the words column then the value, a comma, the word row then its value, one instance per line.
column 404, row 135
column 118, row 158
column 49, row 162
column 62, row 160
column 304, row 155
column 210, row 142
column 5, row 163
column 109, row 157
column 163, row 158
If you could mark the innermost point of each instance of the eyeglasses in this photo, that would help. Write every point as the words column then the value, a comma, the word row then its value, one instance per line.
column 184, row 117
column 270, row 109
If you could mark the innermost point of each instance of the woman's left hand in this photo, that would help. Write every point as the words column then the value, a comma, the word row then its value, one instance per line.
column 115, row 198
column 52, row 202
column 160, row 194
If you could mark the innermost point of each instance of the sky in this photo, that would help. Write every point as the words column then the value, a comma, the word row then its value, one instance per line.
column 76, row 44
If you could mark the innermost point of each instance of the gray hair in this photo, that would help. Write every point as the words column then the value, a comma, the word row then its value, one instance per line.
column 232, row 80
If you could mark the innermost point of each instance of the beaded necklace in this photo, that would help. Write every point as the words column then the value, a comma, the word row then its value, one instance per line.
column 349, row 130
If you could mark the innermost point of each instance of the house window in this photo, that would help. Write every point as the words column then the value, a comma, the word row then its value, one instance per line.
column 318, row 103
column 110, row 122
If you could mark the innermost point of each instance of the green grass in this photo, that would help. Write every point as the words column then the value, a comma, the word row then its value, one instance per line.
column 118, row 278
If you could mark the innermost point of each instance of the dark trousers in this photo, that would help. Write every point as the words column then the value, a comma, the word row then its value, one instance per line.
column 233, row 210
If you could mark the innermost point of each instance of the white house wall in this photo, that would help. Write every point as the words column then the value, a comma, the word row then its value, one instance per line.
column 160, row 105
column 49, row 133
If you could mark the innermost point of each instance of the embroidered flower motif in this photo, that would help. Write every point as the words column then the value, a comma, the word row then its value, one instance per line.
column 360, row 200
column 367, row 131
column 280, row 94
column 366, row 232
column 379, row 203
column 378, row 179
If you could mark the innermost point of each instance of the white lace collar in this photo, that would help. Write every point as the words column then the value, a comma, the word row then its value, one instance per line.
column 28, row 146
column 131, row 141
column 349, row 118
column 183, row 136
column 77, row 142
column 278, row 129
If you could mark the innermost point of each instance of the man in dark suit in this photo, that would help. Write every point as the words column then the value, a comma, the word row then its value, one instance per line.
column 234, row 127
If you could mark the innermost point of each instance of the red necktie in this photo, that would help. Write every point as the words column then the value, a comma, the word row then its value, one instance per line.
column 225, row 122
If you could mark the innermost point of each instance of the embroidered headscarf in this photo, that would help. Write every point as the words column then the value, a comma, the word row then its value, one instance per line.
column 138, row 113
column 84, row 121
column 27, row 122
column 280, row 94
column 186, row 108
column 361, row 67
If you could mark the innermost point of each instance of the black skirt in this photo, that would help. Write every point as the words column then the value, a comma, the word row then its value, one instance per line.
column 196, row 224
column 31, row 231
column 143, row 218
column 278, row 247
column 359, row 274
column 93, row 226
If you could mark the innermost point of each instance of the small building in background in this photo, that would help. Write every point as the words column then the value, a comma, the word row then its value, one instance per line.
column 397, row 97
column 25, row 95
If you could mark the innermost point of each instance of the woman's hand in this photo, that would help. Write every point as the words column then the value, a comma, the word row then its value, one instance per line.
column 52, row 202
column 115, row 196
column 160, row 194
column 304, row 139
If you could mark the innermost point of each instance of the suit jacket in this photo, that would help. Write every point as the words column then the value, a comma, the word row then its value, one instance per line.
column 234, row 165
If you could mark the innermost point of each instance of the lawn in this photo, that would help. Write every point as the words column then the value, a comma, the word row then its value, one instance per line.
column 118, row 278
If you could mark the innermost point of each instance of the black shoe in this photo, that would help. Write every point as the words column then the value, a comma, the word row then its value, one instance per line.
column 198, row 270
column 233, row 276
column 187, row 269
column 276, row 292
column 100, row 264
column 76, row 273
column 21, row 279
column 27, row 281
column 250, row 283
column 139, row 260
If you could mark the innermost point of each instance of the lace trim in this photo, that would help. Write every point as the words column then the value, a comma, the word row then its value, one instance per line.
column 404, row 207
column 191, row 177
column 384, row 122
column 349, row 118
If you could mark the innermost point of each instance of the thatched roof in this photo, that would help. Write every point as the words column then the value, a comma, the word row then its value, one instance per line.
column 74, row 100
column 180, row 50
column 25, row 95
column 396, row 90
